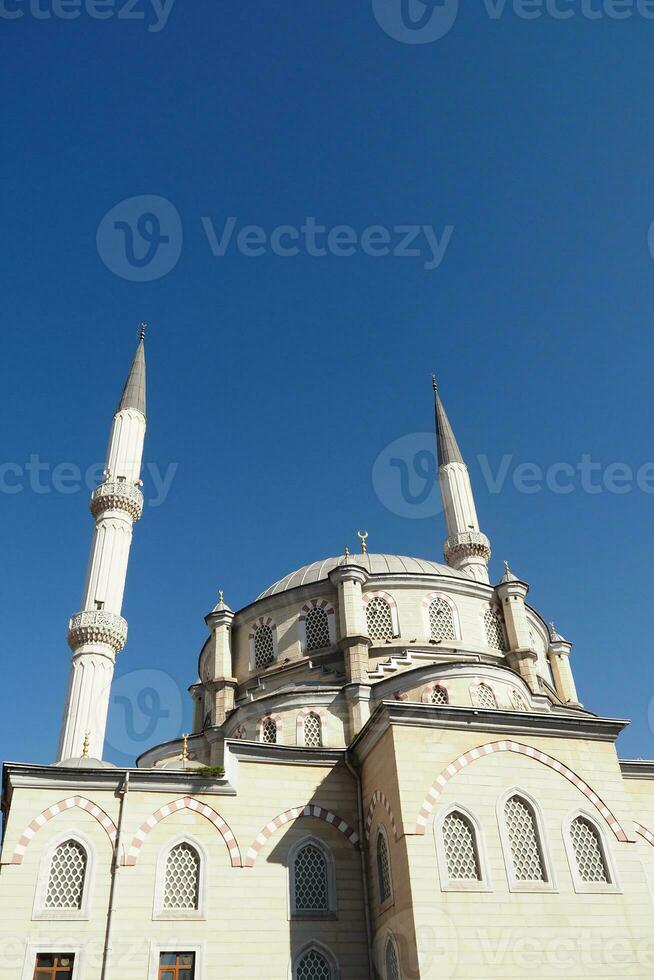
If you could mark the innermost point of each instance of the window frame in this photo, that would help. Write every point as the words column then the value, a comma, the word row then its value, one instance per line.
column 550, row 882
column 395, row 619
column 262, row 621
column 456, row 626
column 39, row 910
column 159, row 913
column 332, row 907
column 447, row 884
column 158, row 946
column 330, row 612
column 319, row 948
column 386, row 903
column 50, row 946
column 474, row 687
column 589, row 887
column 499, row 615
column 390, row 938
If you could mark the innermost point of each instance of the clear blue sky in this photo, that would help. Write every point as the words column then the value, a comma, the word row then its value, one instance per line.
column 275, row 382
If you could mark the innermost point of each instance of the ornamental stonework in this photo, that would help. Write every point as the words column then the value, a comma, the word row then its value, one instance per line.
column 118, row 495
column 97, row 626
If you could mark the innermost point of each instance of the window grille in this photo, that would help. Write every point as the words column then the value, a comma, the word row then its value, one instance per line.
column 182, row 878
column 317, row 629
column 54, row 966
column 310, row 878
column 312, row 731
column 313, row 966
column 523, row 839
column 390, row 958
column 460, row 849
column 67, row 874
column 264, row 646
column 379, row 619
column 484, row 697
column 518, row 701
column 269, row 731
column 441, row 620
column 439, row 695
column 494, row 630
column 176, row 966
column 383, row 869
column 588, row 851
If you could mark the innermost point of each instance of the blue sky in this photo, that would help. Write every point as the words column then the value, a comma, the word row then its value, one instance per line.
column 275, row 382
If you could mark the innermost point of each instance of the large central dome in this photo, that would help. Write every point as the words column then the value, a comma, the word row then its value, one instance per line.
column 375, row 564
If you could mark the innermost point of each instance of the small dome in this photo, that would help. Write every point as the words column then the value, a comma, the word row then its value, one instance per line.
column 83, row 762
column 375, row 564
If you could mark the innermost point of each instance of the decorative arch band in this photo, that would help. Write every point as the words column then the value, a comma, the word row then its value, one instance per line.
column 645, row 833
column 377, row 798
column 310, row 810
column 82, row 803
column 186, row 803
column 507, row 746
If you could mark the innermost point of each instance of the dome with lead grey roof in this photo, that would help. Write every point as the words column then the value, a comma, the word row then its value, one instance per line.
column 375, row 564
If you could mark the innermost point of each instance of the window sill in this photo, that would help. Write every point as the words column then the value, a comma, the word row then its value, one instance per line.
column 180, row 915
column 61, row 915
column 466, row 886
column 534, row 887
column 386, row 905
column 313, row 916
column 595, row 888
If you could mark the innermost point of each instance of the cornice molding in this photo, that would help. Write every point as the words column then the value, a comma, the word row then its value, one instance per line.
column 637, row 768
column 25, row 776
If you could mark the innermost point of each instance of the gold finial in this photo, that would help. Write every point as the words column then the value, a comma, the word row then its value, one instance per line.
column 86, row 745
column 142, row 328
column 221, row 597
column 184, row 757
column 553, row 629
column 347, row 551
column 363, row 535
column 506, row 568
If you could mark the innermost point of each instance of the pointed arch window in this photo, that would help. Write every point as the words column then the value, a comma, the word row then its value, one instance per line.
column 439, row 695
column 494, row 628
column 460, row 848
column 527, row 859
column 441, row 620
column 269, row 731
column 379, row 619
column 518, row 701
column 588, row 851
column 182, row 884
column 316, row 625
column 384, row 882
column 483, row 696
column 313, row 730
column 391, row 961
column 312, row 879
column 264, row 646
column 67, row 877
column 313, row 964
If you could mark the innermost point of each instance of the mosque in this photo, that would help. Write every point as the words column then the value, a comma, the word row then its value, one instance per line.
column 390, row 775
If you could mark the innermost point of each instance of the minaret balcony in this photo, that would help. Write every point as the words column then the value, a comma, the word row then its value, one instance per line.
column 467, row 544
column 97, row 626
column 117, row 495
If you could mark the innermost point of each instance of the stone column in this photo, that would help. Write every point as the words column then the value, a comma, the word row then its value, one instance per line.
column 559, row 658
column 354, row 641
column 521, row 656
column 216, row 667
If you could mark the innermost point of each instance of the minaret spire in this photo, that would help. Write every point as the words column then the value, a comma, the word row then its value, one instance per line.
column 98, row 632
column 466, row 548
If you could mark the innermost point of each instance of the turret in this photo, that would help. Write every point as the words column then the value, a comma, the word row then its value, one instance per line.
column 98, row 632
column 466, row 548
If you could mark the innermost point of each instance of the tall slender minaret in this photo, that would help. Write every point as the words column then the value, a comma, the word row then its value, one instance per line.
column 466, row 548
column 98, row 632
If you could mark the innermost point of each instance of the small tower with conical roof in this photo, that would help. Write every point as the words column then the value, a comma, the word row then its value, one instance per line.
column 466, row 548
column 98, row 632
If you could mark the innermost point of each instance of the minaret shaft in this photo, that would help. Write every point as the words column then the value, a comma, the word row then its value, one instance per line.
column 98, row 632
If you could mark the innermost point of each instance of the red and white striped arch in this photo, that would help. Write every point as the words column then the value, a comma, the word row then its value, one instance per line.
column 379, row 798
column 310, row 810
column 299, row 724
column 395, row 619
column 35, row 825
column 186, row 803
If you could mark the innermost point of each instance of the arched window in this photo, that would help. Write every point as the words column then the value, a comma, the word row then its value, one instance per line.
column 460, row 848
column 518, row 701
column 494, row 630
column 483, row 696
column 67, row 877
column 316, row 625
column 379, row 619
column 439, row 695
column 441, row 620
column 313, row 965
column 269, row 731
column 313, row 880
column 312, row 730
column 587, row 847
column 264, row 646
column 383, row 868
column 182, row 884
column 391, row 961
column 524, row 843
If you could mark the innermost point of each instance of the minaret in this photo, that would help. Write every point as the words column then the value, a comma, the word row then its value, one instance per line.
column 98, row 632
column 466, row 548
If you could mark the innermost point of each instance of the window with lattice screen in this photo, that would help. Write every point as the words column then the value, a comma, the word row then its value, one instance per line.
column 460, row 848
column 494, row 630
column 269, row 731
column 310, row 879
column 379, row 619
column 264, row 646
column 312, row 730
column 439, row 695
column 483, row 696
column 518, row 701
column 522, row 832
column 182, row 884
column 391, row 962
column 67, row 877
column 441, row 620
column 312, row 965
column 383, row 869
column 317, row 629
column 588, row 852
